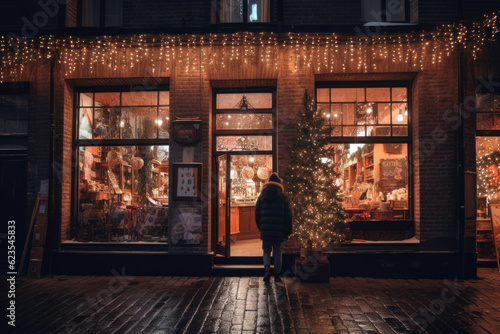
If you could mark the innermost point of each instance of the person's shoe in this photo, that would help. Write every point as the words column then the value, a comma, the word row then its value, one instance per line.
column 277, row 279
column 267, row 275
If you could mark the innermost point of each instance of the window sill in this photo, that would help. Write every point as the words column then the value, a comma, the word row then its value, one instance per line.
column 388, row 24
column 114, row 246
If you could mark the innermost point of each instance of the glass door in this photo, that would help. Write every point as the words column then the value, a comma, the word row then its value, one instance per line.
column 223, row 242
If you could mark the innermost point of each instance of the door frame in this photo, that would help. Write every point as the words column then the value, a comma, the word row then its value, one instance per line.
column 216, row 248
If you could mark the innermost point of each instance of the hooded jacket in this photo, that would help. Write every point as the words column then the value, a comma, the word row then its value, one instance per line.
column 272, row 213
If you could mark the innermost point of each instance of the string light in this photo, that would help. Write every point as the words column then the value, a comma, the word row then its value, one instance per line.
column 321, row 52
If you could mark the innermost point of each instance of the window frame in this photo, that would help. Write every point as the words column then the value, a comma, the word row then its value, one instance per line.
column 245, row 22
column 408, row 140
column 77, row 143
column 246, row 132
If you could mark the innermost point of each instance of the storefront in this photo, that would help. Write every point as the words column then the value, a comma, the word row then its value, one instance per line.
column 162, row 145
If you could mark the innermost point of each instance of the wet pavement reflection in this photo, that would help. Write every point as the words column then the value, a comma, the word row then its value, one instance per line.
column 124, row 304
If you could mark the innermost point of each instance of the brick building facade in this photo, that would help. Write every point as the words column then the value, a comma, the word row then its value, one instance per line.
column 177, row 47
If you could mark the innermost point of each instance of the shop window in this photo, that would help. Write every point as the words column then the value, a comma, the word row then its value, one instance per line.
column 101, row 13
column 487, row 111
column 123, row 170
column 13, row 121
column 242, row 11
column 14, row 114
column 369, row 128
column 365, row 112
column 374, row 180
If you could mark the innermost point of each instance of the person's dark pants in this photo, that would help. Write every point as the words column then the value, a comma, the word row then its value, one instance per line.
column 276, row 246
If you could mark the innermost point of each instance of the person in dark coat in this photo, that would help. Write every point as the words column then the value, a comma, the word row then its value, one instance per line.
column 274, row 220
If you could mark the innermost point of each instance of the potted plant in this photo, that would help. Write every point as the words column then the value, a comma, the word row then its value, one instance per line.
column 313, row 187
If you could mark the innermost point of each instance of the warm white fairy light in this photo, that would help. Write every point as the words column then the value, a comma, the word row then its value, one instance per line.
column 322, row 52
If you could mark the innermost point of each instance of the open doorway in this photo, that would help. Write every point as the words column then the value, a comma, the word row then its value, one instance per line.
column 244, row 140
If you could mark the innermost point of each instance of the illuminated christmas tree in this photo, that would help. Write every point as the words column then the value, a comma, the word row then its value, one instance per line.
column 311, row 182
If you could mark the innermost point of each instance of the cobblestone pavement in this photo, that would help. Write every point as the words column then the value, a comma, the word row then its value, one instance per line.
column 121, row 304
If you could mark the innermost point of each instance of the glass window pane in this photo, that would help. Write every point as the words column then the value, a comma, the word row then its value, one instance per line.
column 137, row 177
column 399, row 94
column 107, row 99
column 379, row 94
column 139, row 122
column 253, row 100
column 244, row 143
column 244, row 121
column 259, row 10
column 344, row 94
column 487, row 121
column 336, row 113
column 230, row 11
column 14, row 114
column 364, row 112
column 396, row 11
column 371, row 113
column 323, row 94
column 348, row 113
column 86, row 123
column 140, row 98
column 107, row 123
column 371, row 174
column 337, row 131
column 400, row 131
column 165, row 98
column 381, row 131
column 164, row 122
column 248, row 174
column 369, row 131
column 86, row 99
column 324, row 110
column 349, row 131
column 360, row 131
column 487, row 166
column 384, row 113
column 399, row 113
column 91, row 10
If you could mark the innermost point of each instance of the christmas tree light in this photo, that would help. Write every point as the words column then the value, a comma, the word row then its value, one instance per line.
column 311, row 183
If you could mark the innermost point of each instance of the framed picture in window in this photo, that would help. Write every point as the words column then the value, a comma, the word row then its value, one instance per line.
column 187, row 181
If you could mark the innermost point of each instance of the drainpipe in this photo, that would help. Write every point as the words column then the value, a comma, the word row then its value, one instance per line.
column 51, row 238
column 461, row 169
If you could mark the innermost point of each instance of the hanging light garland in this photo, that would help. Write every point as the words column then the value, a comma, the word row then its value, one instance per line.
column 322, row 52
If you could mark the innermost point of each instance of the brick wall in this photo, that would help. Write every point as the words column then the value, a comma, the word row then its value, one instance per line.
column 434, row 92
column 437, row 154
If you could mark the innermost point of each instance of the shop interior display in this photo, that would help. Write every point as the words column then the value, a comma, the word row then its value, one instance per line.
column 488, row 192
column 249, row 173
column 374, row 180
column 123, row 194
